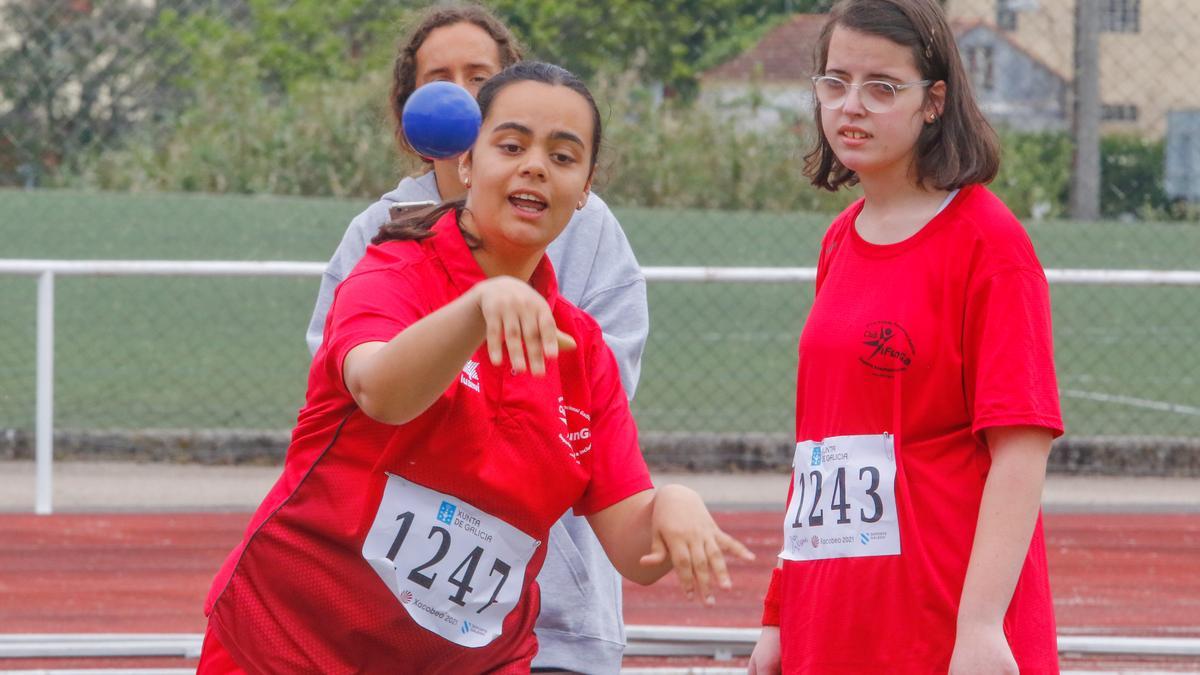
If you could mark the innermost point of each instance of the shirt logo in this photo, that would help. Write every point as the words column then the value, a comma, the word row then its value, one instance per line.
column 816, row 456
column 578, row 436
column 470, row 375
column 446, row 512
column 888, row 348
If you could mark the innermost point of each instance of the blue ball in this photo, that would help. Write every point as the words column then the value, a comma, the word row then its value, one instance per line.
column 441, row 120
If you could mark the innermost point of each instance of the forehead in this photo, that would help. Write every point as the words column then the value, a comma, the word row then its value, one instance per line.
column 457, row 45
column 544, row 108
column 860, row 53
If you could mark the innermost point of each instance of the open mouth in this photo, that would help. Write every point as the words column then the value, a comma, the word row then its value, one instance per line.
column 855, row 135
column 528, row 202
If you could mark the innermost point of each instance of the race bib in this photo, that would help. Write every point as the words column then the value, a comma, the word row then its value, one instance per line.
column 843, row 502
column 457, row 570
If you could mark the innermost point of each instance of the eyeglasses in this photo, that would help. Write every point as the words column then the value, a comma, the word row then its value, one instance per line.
column 876, row 96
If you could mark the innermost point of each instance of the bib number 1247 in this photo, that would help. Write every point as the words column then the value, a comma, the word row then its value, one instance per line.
column 457, row 570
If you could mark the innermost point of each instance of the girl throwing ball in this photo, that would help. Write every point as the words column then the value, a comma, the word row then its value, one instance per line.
column 456, row 407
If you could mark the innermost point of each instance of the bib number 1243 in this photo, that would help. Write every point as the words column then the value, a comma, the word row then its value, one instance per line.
column 843, row 502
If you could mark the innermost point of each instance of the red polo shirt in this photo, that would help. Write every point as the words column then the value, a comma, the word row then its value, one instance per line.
column 932, row 340
column 297, row 596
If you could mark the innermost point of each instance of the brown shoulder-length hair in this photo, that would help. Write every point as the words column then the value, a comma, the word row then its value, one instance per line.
column 960, row 147
column 404, row 70
column 418, row 225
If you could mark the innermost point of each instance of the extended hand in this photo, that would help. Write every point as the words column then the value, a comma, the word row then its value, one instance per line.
column 684, row 532
column 519, row 318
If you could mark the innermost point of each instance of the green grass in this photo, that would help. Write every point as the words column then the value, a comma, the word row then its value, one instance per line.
column 193, row 352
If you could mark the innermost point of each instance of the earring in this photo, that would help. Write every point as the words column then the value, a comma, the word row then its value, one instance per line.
column 579, row 205
column 932, row 116
column 467, row 182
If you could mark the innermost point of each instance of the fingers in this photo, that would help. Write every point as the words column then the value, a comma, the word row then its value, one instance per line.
column 699, row 562
column 512, row 340
column 717, row 562
column 566, row 343
column 681, row 560
column 701, row 571
column 731, row 545
column 519, row 322
column 657, row 554
column 549, row 335
column 531, row 332
column 493, row 326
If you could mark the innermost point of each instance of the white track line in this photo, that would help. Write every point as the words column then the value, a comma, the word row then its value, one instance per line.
column 1133, row 402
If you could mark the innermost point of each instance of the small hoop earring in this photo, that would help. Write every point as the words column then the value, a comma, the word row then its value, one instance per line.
column 467, row 182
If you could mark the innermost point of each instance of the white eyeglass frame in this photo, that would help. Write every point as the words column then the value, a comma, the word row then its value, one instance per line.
column 896, row 89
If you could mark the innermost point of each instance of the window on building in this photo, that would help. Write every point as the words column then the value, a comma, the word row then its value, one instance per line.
column 980, row 66
column 1121, row 112
column 1006, row 16
column 1120, row 16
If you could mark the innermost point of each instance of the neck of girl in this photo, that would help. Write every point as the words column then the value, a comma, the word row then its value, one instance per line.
column 445, row 171
column 496, row 260
column 895, row 207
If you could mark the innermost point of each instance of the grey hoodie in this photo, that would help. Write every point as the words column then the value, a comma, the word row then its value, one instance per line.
column 580, row 626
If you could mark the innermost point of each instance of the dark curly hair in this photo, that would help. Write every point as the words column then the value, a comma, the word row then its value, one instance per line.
column 404, row 70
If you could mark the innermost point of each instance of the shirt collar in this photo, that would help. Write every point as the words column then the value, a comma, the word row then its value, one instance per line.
column 451, row 248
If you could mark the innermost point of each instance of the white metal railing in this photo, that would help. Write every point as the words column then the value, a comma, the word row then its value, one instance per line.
column 715, row 642
column 47, row 270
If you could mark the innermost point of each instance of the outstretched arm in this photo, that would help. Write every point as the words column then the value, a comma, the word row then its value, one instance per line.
column 651, row 532
column 397, row 380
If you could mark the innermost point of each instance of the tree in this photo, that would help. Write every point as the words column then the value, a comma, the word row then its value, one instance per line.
column 75, row 75
column 667, row 41
column 285, row 43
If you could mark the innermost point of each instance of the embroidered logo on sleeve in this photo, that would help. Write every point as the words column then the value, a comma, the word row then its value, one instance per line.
column 470, row 375
column 578, row 434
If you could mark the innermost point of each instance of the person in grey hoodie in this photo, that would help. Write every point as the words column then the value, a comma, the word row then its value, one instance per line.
column 580, row 628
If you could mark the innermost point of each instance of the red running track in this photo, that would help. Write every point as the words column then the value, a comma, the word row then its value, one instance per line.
column 1115, row 574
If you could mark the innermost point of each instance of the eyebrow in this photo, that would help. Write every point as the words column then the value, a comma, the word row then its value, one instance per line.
column 478, row 65
column 514, row 126
column 870, row 76
column 522, row 129
column 567, row 136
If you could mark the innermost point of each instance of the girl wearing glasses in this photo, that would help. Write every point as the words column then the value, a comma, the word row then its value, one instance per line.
column 926, row 396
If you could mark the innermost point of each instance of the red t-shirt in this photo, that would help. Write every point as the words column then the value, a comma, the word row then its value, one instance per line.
column 933, row 340
column 297, row 595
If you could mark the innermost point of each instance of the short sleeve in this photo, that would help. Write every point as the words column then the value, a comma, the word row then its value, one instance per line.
column 1009, row 353
column 833, row 238
column 618, row 468
column 370, row 307
column 823, row 263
